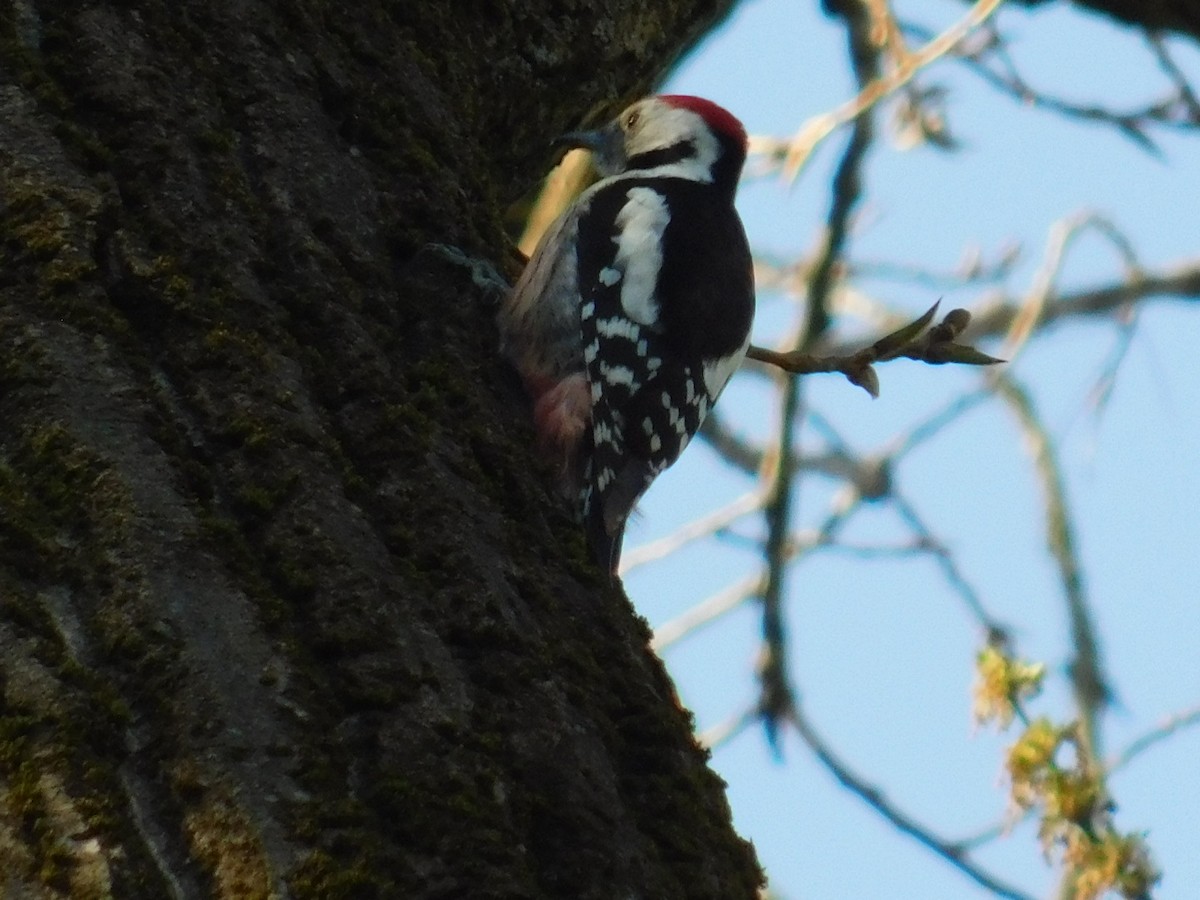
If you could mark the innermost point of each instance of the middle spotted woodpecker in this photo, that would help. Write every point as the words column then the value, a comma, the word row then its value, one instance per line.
column 635, row 308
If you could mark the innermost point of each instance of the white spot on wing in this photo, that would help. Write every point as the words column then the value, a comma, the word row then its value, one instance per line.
column 640, row 224
column 609, row 276
column 616, row 374
column 618, row 327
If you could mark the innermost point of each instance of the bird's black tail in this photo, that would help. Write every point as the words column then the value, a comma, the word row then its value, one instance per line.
column 605, row 512
column 605, row 546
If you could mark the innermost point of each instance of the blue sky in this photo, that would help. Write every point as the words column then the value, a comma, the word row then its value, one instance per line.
column 882, row 650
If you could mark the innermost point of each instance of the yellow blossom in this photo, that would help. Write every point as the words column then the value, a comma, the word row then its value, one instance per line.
column 1000, row 683
column 1031, row 759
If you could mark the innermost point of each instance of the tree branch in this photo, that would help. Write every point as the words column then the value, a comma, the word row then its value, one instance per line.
column 935, row 346
column 1088, row 681
column 1189, row 718
column 995, row 317
column 951, row 852
column 790, row 156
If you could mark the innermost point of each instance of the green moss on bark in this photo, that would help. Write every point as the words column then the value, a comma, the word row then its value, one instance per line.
column 260, row 428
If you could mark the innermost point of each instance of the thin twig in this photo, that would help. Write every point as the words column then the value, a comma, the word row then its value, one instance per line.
column 933, row 425
column 954, row 577
column 1185, row 94
column 1089, row 684
column 936, row 345
column 776, row 690
column 706, row 526
column 1101, row 391
column 1181, row 281
column 972, row 270
column 878, row 801
column 1063, row 235
column 723, row 732
column 917, row 547
column 992, row 832
column 798, row 544
column 743, row 455
column 1187, row 719
column 1178, row 110
column 995, row 317
column 706, row 611
column 791, row 155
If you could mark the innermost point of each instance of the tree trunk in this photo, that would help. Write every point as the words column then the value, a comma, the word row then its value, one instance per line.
column 286, row 607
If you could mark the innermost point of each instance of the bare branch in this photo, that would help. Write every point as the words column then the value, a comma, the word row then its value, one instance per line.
column 990, row 60
column 1189, row 718
column 952, row 852
column 1088, row 681
column 1063, row 235
column 1182, row 281
column 996, row 830
column 933, row 425
column 705, row 526
column 795, row 546
column 791, row 155
column 723, row 732
column 1186, row 97
column 776, row 691
column 740, row 454
column 995, row 317
column 706, row 611
column 972, row 269
column 912, row 341
column 1101, row 391
column 992, row 627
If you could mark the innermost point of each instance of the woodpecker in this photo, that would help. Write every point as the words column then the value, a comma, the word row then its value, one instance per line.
column 635, row 308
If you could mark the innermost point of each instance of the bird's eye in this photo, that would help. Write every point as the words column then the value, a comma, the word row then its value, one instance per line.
column 631, row 120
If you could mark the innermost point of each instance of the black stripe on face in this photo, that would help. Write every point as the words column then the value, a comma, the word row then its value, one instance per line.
column 664, row 157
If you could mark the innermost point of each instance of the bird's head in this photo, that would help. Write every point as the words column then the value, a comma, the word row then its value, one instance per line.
column 673, row 134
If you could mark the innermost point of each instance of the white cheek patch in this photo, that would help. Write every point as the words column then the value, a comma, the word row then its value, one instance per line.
column 669, row 127
column 641, row 223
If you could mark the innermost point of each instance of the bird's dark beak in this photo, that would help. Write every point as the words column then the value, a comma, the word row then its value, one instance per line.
column 588, row 140
column 606, row 144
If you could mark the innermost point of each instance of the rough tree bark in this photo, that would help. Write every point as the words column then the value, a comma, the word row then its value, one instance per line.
column 284, row 608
